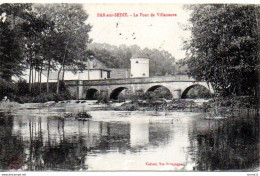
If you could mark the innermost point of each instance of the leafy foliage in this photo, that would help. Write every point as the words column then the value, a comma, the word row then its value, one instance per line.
column 69, row 32
column 224, row 47
column 161, row 62
column 6, row 89
column 13, row 16
column 69, row 35
column 42, row 36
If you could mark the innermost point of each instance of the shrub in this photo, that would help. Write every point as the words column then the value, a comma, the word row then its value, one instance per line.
column 22, row 87
column 235, row 102
column 7, row 88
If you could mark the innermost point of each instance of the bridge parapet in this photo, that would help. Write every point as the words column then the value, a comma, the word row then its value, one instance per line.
column 176, row 78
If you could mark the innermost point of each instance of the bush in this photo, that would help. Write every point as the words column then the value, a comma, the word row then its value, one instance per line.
column 19, row 92
column 158, row 93
column 235, row 102
column 7, row 88
column 43, row 97
column 22, row 87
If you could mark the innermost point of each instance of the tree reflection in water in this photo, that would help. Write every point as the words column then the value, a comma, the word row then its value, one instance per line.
column 51, row 143
column 231, row 146
column 11, row 147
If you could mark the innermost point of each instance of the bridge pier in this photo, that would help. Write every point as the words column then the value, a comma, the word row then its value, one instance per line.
column 80, row 90
column 176, row 94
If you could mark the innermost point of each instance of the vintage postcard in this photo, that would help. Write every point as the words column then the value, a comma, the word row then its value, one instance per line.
column 129, row 87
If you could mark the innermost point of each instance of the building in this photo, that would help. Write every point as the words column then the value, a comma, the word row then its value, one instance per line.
column 94, row 70
column 117, row 73
column 36, row 76
column 139, row 66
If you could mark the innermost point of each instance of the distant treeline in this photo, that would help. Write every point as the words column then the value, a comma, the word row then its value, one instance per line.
column 162, row 63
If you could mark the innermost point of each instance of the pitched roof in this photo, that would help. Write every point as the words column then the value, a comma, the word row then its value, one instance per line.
column 98, row 64
column 91, row 64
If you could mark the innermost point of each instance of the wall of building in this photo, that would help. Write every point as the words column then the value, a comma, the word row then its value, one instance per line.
column 70, row 75
column 26, row 74
column 119, row 73
column 139, row 67
column 86, row 75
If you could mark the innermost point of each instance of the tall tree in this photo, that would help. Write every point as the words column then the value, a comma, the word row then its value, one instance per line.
column 70, row 32
column 11, row 53
column 21, row 33
column 224, row 47
column 34, row 30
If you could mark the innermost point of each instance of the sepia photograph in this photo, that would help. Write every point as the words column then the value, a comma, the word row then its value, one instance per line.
column 129, row 87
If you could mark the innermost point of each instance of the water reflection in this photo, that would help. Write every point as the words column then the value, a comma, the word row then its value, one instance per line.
column 232, row 145
column 37, row 139
column 139, row 133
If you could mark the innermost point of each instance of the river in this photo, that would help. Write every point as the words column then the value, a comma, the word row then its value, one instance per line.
column 35, row 137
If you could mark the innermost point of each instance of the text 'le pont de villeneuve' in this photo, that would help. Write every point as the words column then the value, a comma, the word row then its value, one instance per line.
column 136, row 15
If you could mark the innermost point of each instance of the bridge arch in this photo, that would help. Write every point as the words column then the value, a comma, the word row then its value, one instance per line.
column 166, row 91
column 115, row 93
column 186, row 90
column 91, row 94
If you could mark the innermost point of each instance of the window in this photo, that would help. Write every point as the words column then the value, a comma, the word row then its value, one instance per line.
column 101, row 74
column 143, row 74
column 137, row 62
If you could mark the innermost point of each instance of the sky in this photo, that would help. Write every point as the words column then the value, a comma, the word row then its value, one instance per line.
column 153, row 32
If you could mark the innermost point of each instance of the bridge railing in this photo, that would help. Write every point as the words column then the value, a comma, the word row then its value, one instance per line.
column 110, row 81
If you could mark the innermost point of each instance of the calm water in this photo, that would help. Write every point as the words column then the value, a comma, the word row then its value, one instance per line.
column 34, row 137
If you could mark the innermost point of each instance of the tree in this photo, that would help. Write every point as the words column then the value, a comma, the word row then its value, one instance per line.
column 11, row 53
column 21, row 40
column 33, row 32
column 161, row 62
column 224, row 46
column 181, row 67
column 70, row 34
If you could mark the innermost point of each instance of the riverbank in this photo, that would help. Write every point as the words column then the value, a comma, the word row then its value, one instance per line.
column 8, row 105
column 43, row 98
column 162, row 105
column 228, row 107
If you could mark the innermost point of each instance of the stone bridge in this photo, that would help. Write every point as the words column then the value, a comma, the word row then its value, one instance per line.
column 178, row 85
